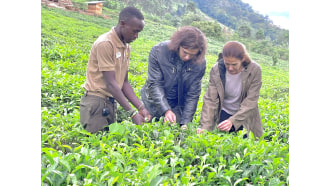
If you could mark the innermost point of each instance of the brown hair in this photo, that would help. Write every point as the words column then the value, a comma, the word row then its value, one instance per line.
column 189, row 38
column 237, row 50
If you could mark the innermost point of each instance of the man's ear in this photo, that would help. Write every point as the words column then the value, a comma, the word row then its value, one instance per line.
column 122, row 23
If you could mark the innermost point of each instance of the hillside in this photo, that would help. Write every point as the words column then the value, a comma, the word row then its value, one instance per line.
column 235, row 13
column 239, row 23
column 153, row 153
column 229, row 13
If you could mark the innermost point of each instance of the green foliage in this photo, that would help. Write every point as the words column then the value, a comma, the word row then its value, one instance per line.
column 190, row 17
column 244, row 31
column 260, row 35
column 234, row 13
column 113, row 4
column 154, row 153
column 210, row 29
column 283, row 38
column 191, row 7
column 275, row 58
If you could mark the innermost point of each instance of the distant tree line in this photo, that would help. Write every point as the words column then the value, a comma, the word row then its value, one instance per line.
column 237, row 16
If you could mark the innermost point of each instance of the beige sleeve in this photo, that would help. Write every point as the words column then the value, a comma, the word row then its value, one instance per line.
column 211, row 103
column 105, row 57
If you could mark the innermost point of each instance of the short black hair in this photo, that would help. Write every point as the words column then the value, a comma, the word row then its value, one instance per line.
column 130, row 12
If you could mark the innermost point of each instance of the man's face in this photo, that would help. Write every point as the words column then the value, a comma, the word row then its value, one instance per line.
column 131, row 29
column 233, row 65
column 187, row 54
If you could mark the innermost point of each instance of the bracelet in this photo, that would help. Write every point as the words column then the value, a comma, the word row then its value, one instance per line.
column 130, row 112
column 134, row 113
column 140, row 106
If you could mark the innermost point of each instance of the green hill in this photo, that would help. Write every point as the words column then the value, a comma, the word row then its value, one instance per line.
column 153, row 153
column 235, row 13
column 221, row 20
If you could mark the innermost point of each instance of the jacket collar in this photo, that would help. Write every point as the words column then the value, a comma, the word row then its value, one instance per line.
column 222, row 70
column 173, row 57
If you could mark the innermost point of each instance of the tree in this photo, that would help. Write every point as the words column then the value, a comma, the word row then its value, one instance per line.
column 210, row 29
column 190, row 17
column 260, row 35
column 275, row 58
column 191, row 7
column 283, row 37
column 180, row 10
column 244, row 31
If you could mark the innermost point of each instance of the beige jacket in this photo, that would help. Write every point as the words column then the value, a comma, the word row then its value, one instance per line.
column 248, row 115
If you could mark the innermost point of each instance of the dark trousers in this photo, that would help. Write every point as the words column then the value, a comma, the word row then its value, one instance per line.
column 97, row 113
column 224, row 116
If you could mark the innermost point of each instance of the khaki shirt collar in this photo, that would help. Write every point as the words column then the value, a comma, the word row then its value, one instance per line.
column 115, row 38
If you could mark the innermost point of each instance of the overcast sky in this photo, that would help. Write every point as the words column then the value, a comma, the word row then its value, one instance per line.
column 277, row 10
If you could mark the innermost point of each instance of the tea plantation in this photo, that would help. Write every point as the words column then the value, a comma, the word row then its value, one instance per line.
column 154, row 153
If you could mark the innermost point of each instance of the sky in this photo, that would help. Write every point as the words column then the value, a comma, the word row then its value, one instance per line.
column 277, row 10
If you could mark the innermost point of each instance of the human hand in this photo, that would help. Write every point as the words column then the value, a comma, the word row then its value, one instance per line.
column 200, row 131
column 138, row 119
column 170, row 116
column 225, row 125
column 145, row 113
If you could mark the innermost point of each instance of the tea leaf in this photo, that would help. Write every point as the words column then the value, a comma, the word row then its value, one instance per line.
column 116, row 128
column 157, row 180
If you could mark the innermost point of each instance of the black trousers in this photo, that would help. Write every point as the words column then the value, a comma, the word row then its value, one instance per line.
column 223, row 116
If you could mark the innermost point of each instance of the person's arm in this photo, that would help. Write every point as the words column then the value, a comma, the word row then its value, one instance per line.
column 211, row 101
column 156, row 82
column 131, row 96
column 106, row 64
column 192, row 97
column 170, row 116
column 118, row 95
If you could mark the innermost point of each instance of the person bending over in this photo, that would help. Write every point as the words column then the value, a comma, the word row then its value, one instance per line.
column 175, row 71
column 231, row 100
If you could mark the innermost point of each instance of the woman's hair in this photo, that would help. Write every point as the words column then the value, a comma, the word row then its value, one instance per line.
column 129, row 13
column 237, row 50
column 189, row 38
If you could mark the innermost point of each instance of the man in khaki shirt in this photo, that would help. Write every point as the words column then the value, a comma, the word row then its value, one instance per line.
column 107, row 76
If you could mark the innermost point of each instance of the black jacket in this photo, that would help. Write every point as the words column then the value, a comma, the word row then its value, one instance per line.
column 163, row 73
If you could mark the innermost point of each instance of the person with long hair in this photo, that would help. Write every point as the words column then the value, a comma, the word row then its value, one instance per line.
column 175, row 71
column 231, row 100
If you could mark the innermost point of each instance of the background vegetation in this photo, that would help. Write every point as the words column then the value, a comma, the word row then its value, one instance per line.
column 153, row 153
column 235, row 19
